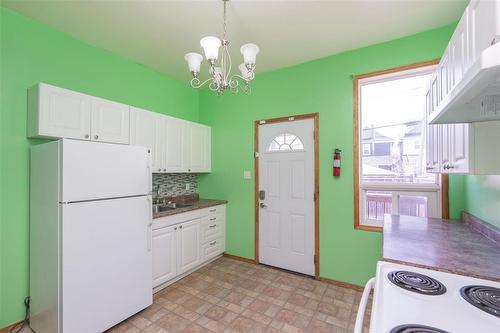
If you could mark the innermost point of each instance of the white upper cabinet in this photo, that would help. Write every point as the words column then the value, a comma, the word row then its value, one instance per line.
column 146, row 130
column 110, row 121
column 175, row 145
column 58, row 113
column 55, row 112
column 464, row 148
column 199, row 152
column 484, row 23
column 471, row 92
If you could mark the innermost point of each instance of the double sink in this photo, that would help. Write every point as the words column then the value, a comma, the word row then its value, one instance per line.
column 158, row 208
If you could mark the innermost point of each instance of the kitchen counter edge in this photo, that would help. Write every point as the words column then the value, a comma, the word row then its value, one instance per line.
column 200, row 204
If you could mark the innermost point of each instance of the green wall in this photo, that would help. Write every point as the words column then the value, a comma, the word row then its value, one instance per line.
column 323, row 86
column 30, row 53
column 482, row 197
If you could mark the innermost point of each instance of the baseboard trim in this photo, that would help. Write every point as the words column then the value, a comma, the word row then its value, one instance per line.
column 341, row 283
column 232, row 256
column 7, row 329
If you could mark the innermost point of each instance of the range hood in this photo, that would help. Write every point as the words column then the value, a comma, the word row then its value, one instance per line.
column 477, row 96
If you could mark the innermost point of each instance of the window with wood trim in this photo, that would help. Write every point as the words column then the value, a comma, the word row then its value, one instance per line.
column 389, row 147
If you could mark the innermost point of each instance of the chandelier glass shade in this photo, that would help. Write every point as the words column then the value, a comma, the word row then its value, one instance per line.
column 219, row 69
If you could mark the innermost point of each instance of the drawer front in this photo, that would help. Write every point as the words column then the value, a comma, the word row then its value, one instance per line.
column 212, row 227
column 212, row 249
column 216, row 209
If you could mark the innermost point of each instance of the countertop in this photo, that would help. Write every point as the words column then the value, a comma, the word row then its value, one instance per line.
column 198, row 204
column 444, row 245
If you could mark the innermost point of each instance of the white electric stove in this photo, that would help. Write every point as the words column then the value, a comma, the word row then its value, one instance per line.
column 410, row 299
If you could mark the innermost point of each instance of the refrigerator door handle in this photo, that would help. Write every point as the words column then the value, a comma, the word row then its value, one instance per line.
column 149, row 235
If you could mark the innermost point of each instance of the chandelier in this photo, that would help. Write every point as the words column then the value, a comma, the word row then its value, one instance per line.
column 220, row 72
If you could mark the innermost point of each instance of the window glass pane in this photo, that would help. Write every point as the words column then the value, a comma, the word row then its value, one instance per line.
column 285, row 142
column 392, row 125
column 413, row 205
column 377, row 203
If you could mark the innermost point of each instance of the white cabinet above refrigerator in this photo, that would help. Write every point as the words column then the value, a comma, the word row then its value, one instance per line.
column 55, row 112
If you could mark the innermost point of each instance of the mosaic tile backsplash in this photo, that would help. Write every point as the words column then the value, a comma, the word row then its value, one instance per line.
column 174, row 184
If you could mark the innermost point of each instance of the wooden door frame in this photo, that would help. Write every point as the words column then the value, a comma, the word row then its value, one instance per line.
column 314, row 116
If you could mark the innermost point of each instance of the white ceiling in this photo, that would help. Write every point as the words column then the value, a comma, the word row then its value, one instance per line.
column 158, row 33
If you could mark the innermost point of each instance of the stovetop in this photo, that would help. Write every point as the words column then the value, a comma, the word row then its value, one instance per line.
column 410, row 299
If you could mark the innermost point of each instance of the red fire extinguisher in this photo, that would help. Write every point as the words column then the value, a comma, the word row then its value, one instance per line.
column 336, row 163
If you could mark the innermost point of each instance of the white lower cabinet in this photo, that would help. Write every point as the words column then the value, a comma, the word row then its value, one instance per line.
column 165, row 266
column 184, row 242
column 188, row 246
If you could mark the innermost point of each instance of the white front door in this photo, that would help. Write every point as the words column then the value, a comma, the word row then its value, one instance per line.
column 286, row 193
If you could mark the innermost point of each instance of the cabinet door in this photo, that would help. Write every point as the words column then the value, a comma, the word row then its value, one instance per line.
column 146, row 130
column 434, row 92
column 62, row 113
column 110, row 121
column 164, row 255
column 445, row 145
column 459, row 138
column 459, row 50
column 188, row 248
column 175, row 145
column 484, row 26
column 199, row 159
column 444, row 74
column 435, row 147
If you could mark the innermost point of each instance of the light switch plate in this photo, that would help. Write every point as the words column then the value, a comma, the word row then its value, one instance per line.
column 247, row 174
column 188, row 186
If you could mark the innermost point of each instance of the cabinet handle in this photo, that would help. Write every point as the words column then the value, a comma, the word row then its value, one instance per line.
column 87, row 136
column 96, row 136
column 213, row 219
column 212, row 210
column 213, row 226
column 213, row 243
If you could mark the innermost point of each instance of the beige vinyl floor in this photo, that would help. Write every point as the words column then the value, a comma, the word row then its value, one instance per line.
column 232, row 296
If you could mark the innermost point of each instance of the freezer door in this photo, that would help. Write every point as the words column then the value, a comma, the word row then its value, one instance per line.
column 96, row 170
column 106, row 262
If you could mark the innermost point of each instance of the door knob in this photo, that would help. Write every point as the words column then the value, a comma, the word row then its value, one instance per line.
column 262, row 205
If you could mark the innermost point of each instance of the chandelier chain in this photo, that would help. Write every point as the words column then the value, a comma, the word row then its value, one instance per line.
column 225, row 18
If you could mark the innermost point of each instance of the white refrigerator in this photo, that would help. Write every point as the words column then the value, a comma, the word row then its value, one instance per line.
column 90, row 235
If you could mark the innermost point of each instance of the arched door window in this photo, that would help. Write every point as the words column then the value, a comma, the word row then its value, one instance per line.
column 285, row 142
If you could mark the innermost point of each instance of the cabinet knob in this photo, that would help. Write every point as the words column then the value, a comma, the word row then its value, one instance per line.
column 87, row 136
column 180, row 227
column 159, row 169
column 164, row 169
column 96, row 136
column 175, row 228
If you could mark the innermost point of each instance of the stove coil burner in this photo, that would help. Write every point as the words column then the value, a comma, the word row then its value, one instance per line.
column 411, row 328
column 483, row 297
column 416, row 282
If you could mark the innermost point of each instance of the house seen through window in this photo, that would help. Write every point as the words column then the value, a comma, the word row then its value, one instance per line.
column 391, row 143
